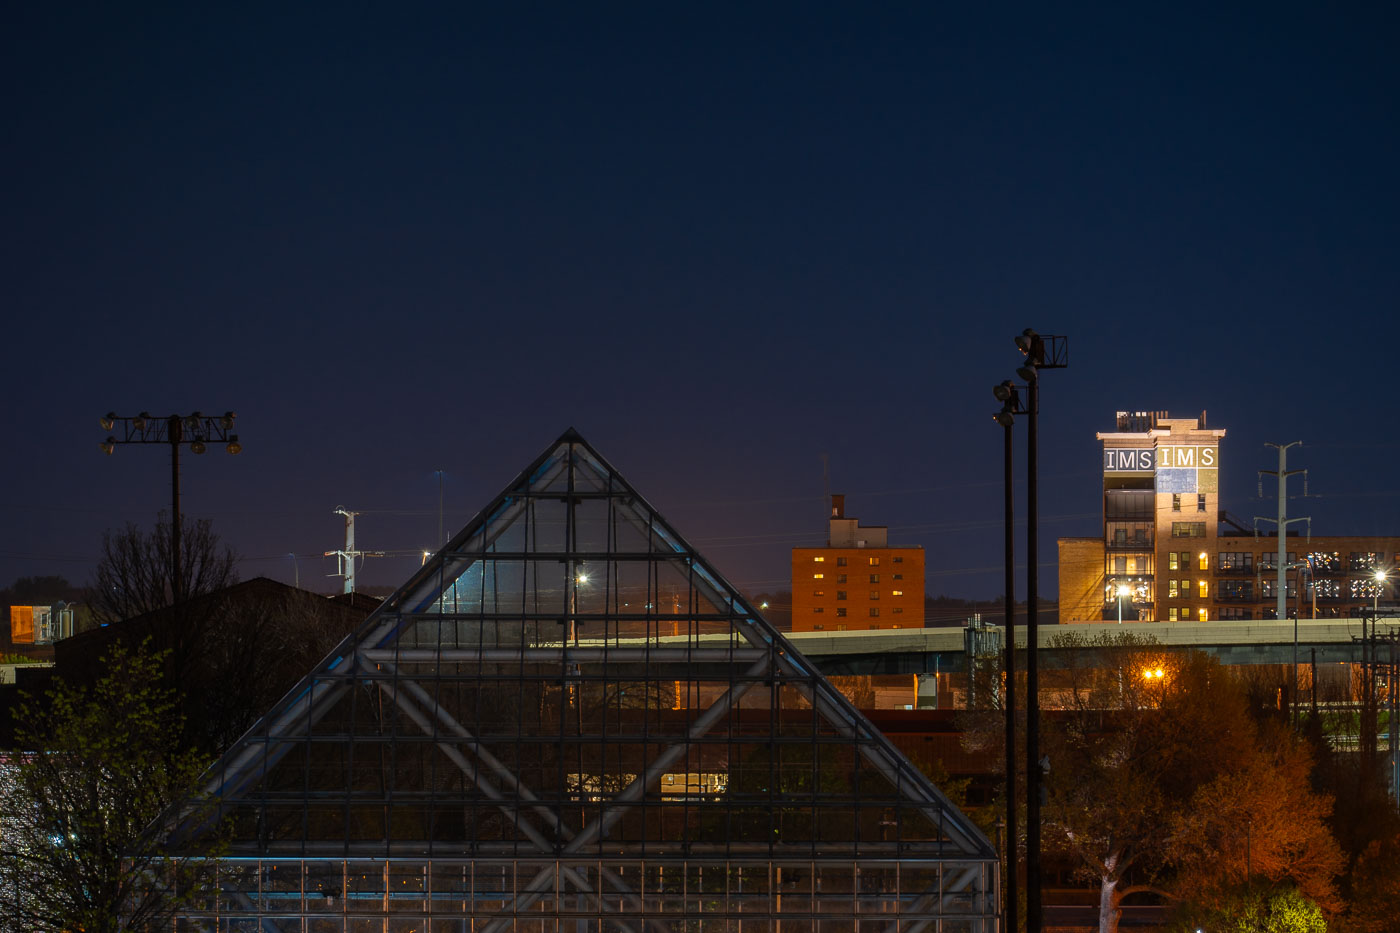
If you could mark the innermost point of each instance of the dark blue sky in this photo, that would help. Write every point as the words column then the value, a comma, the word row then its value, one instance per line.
column 720, row 240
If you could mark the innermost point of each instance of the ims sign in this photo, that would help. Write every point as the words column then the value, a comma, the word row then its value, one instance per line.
column 1167, row 457
column 1170, row 457
column 1127, row 460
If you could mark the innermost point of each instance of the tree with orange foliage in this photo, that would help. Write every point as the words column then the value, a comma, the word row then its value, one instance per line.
column 1161, row 781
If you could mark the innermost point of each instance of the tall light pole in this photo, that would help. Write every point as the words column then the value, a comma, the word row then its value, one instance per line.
column 195, row 431
column 1007, row 393
column 1380, row 579
column 1041, row 352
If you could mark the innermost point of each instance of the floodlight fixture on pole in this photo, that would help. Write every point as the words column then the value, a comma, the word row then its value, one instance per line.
column 1009, row 395
column 1042, row 351
column 196, row 431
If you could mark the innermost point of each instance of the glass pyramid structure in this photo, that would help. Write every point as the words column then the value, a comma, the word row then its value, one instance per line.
column 568, row 721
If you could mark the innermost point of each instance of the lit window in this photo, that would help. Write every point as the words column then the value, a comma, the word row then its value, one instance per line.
column 1171, row 613
column 818, row 576
column 894, row 626
column 819, row 592
column 896, row 592
column 1203, row 561
column 1204, row 614
column 874, row 578
column 1204, row 587
column 1171, row 593
column 1176, row 502
column 840, row 628
column 1171, row 561
column 818, row 560
column 874, row 561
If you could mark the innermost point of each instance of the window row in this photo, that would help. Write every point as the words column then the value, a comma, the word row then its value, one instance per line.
column 1200, row 502
column 1183, row 560
column 1235, row 560
column 872, row 561
column 1181, row 589
column 874, row 610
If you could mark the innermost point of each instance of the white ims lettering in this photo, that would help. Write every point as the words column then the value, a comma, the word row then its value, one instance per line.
column 1203, row 457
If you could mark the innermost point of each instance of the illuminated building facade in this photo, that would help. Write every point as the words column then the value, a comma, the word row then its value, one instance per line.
column 857, row 582
column 525, row 738
column 1170, row 553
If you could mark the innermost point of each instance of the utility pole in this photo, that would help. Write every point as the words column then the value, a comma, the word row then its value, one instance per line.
column 1281, row 561
column 1282, row 521
column 345, row 563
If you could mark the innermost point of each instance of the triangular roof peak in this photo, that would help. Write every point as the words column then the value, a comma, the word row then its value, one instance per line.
column 570, row 693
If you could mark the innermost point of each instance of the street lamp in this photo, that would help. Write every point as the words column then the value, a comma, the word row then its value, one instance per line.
column 1123, row 590
column 1041, row 351
column 195, row 431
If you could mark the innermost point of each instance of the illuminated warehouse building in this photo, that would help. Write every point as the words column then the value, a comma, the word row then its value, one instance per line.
column 1170, row 553
column 519, row 740
column 857, row 582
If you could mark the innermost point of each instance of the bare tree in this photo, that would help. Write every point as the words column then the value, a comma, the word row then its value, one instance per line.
column 137, row 573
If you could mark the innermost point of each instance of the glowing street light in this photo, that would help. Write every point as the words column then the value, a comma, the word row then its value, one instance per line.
column 1123, row 590
column 1376, row 596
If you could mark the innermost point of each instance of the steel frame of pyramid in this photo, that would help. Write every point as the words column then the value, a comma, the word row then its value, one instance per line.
column 568, row 720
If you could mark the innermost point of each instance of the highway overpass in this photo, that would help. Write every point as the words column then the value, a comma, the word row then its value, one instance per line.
column 945, row 650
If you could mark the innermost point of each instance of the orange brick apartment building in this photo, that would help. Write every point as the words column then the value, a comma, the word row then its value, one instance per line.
column 1169, row 553
column 857, row 582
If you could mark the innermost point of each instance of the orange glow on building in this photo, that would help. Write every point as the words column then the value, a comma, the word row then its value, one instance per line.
column 22, row 625
column 857, row 582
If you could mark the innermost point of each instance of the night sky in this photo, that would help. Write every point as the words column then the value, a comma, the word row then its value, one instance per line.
column 720, row 241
